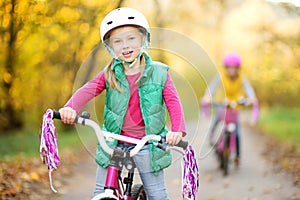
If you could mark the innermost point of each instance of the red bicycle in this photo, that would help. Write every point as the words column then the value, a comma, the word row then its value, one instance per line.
column 117, row 187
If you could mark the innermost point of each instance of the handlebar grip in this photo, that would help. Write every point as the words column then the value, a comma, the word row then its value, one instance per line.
column 56, row 115
column 183, row 144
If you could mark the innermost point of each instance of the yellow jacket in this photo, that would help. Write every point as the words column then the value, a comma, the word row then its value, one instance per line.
column 223, row 87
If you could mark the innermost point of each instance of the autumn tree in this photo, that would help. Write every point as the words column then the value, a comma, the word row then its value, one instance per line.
column 278, row 69
column 13, row 17
column 43, row 45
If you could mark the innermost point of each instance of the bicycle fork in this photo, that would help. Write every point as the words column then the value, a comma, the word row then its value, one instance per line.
column 128, row 181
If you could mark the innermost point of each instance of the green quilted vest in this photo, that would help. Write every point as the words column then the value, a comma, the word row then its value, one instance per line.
column 152, row 106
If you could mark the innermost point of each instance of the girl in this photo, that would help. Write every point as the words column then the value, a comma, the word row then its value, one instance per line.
column 138, row 92
column 235, row 85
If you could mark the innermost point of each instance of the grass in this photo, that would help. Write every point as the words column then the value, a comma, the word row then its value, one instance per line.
column 282, row 123
column 26, row 143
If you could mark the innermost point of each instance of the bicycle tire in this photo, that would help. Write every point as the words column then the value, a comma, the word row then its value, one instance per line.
column 225, row 161
column 221, row 161
column 138, row 192
column 104, row 196
column 107, row 199
column 226, row 153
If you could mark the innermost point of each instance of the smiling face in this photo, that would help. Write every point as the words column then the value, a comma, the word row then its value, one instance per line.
column 126, row 42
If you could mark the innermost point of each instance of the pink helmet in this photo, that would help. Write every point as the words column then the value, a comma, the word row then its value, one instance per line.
column 232, row 60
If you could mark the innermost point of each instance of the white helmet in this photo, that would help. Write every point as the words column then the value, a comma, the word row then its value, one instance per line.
column 121, row 17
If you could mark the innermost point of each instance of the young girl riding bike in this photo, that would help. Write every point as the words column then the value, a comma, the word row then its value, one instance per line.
column 235, row 85
column 138, row 93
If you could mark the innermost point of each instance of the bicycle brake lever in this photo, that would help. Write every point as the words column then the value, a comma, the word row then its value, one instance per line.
column 85, row 115
column 162, row 144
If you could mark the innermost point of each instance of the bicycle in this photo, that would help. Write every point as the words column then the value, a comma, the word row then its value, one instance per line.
column 227, row 111
column 117, row 187
column 226, row 144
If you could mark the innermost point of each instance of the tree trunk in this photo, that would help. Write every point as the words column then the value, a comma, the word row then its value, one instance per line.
column 9, row 116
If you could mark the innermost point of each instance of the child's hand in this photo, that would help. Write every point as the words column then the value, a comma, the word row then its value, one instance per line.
column 173, row 138
column 67, row 115
column 206, row 100
column 251, row 101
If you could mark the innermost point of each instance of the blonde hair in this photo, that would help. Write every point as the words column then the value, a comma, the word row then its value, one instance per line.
column 111, row 78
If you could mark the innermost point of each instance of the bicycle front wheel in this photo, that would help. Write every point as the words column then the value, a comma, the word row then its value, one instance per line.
column 138, row 192
column 105, row 196
column 226, row 153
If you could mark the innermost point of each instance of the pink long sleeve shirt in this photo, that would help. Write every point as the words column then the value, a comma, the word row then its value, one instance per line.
column 133, row 125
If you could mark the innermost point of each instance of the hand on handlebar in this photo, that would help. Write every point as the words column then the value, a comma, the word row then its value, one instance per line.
column 205, row 106
column 173, row 138
column 251, row 101
column 67, row 115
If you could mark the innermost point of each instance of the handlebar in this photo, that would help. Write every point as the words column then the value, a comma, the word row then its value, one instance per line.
column 56, row 115
column 242, row 101
column 101, row 135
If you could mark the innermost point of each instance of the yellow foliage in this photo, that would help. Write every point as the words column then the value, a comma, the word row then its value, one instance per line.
column 41, row 7
column 8, row 8
column 21, row 7
column 67, row 14
column 6, row 21
column 7, row 78
column 46, row 21
column 53, row 46
column 84, row 28
column 72, row 2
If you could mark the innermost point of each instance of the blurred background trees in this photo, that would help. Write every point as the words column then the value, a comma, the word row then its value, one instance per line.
column 44, row 43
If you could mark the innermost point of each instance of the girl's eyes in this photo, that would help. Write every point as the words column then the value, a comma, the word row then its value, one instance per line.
column 119, row 41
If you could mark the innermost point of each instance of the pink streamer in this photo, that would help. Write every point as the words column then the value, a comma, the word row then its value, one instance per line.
column 190, row 174
column 48, row 145
column 255, row 112
column 205, row 109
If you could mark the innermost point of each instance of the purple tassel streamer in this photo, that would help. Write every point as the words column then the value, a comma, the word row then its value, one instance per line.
column 48, row 145
column 191, row 176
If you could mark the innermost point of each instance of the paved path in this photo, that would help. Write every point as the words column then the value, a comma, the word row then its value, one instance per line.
column 253, row 181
